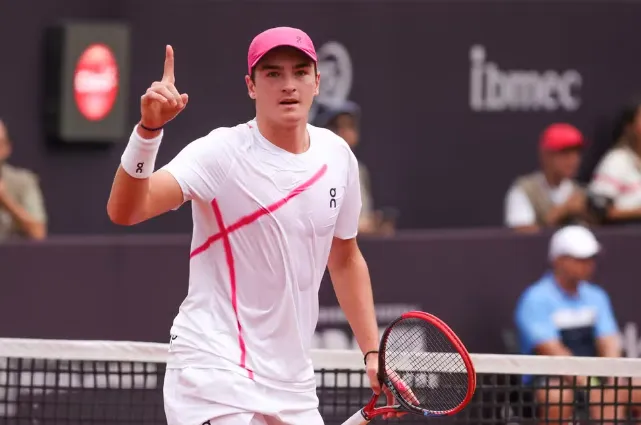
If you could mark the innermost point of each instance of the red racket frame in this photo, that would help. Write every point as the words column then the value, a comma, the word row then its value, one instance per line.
column 370, row 411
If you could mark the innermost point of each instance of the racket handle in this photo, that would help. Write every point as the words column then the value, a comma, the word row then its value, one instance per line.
column 356, row 419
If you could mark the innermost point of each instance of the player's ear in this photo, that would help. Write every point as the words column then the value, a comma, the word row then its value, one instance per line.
column 317, row 89
column 251, row 87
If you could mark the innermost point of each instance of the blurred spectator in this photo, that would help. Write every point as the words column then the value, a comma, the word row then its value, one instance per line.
column 344, row 121
column 551, row 196
column 617, row 177
column 563, row 314
column 22, row 212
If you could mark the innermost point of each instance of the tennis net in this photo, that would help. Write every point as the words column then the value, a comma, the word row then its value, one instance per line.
column 62, row 382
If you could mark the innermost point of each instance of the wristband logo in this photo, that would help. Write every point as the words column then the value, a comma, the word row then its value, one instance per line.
column 95, row 82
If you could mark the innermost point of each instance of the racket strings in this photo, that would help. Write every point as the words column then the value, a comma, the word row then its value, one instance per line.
column 424, row 366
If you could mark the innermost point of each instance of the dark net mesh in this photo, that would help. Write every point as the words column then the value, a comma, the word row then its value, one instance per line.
column 39, row 392
column 424, row 366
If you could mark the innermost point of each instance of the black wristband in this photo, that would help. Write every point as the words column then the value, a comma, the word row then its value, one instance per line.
column 367, row 354
column 149, row 129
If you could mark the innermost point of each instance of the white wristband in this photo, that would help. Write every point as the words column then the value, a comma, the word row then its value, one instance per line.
column 139, row 157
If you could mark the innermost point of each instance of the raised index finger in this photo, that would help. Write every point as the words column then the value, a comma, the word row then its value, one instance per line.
column 168, row 74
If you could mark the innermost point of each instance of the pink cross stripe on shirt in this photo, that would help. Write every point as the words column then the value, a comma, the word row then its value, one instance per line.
column 242, row 222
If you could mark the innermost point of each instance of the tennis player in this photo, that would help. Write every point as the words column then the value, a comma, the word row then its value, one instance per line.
column 274, row 202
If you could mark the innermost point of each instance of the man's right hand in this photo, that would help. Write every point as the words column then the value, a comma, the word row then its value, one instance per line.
column 162, row 102
column 576, row 203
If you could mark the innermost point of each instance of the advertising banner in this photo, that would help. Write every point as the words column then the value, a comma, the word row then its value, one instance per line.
column 453, row 94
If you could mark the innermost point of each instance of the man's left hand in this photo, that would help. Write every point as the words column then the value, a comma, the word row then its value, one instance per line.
column 371, row 367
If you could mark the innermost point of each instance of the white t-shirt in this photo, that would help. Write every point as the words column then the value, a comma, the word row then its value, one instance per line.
column 518, row 208
column 618, row 176
column 252, row 304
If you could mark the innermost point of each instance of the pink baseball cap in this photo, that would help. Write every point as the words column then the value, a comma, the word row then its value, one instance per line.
column 561, row 136
column 276, row 37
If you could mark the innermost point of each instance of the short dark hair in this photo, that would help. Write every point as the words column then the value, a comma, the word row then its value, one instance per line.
column 626, row 116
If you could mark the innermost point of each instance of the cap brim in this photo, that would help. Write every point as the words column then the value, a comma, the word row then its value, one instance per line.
column 328, row 112
column 593, row 252
column 292, row 45
column 560, row 148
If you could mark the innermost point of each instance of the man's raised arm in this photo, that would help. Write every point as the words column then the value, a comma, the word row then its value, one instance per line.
column 138, row 193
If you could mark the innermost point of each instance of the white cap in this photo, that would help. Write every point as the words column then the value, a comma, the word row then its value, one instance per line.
column 575, row 242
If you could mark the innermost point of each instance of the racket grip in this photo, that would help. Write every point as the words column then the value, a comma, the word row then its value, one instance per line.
column 356, row 419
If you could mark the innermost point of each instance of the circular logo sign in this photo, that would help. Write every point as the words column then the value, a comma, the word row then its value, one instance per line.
column 335, row 67
column 95, row 82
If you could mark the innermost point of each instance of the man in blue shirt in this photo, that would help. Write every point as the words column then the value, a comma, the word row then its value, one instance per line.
column 563, row 314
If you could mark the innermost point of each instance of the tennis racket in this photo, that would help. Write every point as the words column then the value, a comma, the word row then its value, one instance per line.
column 425, row 367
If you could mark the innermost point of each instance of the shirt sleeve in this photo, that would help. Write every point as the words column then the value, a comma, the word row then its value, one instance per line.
column 534, row 323
column 349, row 214
column 202, row 166
column 606, row 323
column 518, row 209
column 610, row 175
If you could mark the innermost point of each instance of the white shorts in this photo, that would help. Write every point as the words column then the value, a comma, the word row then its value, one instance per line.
column 197, row 396
column 254, row 419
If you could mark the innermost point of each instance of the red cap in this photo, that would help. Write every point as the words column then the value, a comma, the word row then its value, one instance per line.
column 561, row 136
column 276, row 37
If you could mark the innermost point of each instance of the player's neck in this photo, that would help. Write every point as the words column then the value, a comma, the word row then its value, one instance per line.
column 294, row 139
column 552, row 178
column 568, row 285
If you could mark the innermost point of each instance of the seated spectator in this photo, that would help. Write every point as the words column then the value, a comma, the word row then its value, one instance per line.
column 344, row 121
column 564, row 314
column 22, row 212
column 549, row 197
column 617, row 177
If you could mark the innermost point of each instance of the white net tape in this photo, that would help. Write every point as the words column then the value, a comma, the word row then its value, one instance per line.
column 148, row 352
